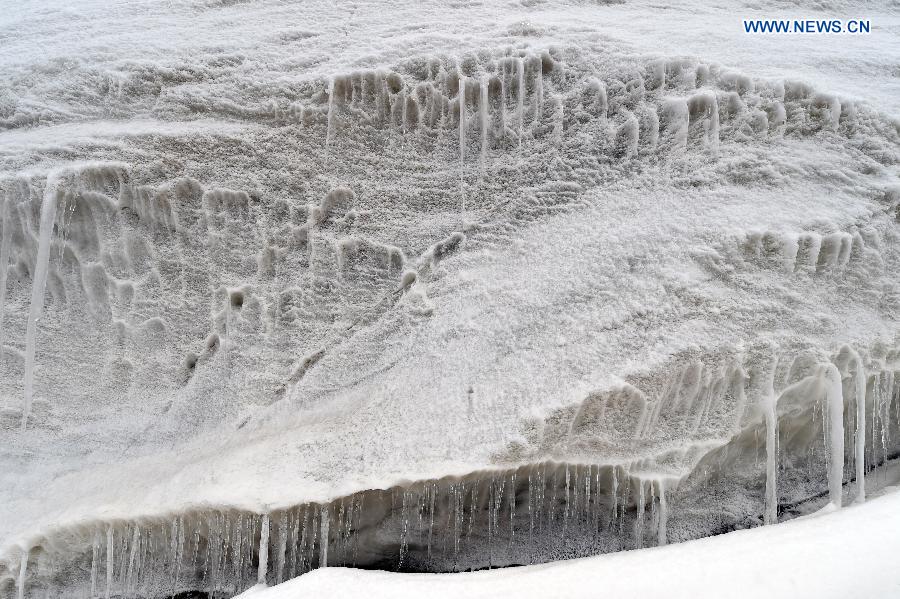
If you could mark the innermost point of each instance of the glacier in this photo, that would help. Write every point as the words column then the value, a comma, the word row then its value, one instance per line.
column 435, row 287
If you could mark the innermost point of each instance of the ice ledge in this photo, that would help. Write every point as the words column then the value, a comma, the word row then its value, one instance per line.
column 820, row 556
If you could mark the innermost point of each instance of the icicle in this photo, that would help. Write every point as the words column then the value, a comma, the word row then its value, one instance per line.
column 551, row 505
column 483, row 108
column 456, row 508
column 263, row 551
column 23, row 571
column 521, row 104
column 5, row 247
column 615, row 494
column 462, row 140
column 328, row 118
column 876, row 401
column 42, row 264
column 226, row 338
column 404, row 529
column 559, row 120
column 586, row 510
column 770, row 404
column 503, row 100
column 835, row 399
column 282, row 548
column 213, row 544
column 95, row 564
column 861, row 430
column 295, row 539
column 135, row 540
column 179, row 552
column 304, row 537
column 538, row 94
column 596, row 507
column 403, row 113
column 639, row 520
column 741, row 398
column 473, row 507
column 661, row 533
column 884, row 402
column 511, row 497
column 313, row 531
column 323, row 541
column 626, row 493
column 431, row 512
column 109, row 561
column 531, row 493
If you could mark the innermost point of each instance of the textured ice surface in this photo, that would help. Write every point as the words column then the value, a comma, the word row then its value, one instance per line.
column 298, row 264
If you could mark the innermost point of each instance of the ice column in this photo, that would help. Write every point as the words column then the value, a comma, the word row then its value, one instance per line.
column 503, row 100
column 282, row 550
column 835, row 399
column 42, row 263
column 462, row 139
column 263, row 550
column 323, row 541
column 135, row 545
column 860, row 430
column 483, row 108
column 558, row 119
column 5, row 247
column 328, row 117
column 639, row 520
column 23, row 569
column 109, row 561
column 95, row 563
column 661, row 532
column 521, row 104
column 770, row 402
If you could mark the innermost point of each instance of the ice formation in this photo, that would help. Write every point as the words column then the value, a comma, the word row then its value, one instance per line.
column 493, row 302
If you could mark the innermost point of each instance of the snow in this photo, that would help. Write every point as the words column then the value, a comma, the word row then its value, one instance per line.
column 832, row 555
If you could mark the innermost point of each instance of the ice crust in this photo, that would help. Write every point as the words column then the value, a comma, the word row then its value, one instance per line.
column 256, row 281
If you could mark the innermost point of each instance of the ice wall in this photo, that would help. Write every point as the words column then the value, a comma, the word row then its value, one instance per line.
column 449, row 312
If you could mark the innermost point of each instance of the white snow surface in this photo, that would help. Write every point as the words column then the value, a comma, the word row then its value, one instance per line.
column 828, row 555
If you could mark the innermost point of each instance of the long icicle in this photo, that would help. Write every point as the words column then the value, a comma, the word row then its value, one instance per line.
column 324, row 536
column 860, row 430
column 110, row 561
column 520, row 73
column 770, row 402
column 462, row 141
column 42, row 264
column 661, row 531
column 263, row 551
column 483, row 109
column 23, row 570
column 329, row 116
column 95, row 564
column 834, row 397
column 5, row 247
column 639, row 519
